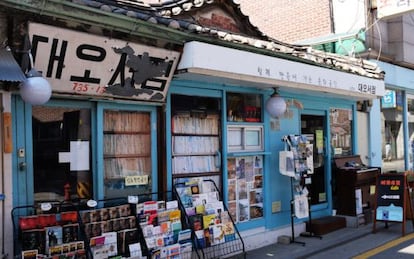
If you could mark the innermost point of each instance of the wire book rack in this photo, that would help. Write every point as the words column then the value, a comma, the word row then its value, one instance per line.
column 218, row 236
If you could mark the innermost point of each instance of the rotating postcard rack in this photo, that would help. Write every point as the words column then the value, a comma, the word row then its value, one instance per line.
column 296, row 162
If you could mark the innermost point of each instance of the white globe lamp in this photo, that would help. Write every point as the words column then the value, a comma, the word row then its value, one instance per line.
column 35, row 90
column 276, row 105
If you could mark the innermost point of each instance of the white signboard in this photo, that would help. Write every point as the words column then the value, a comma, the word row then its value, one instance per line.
column 205, row 58
column 86, row 64
column 388, row 8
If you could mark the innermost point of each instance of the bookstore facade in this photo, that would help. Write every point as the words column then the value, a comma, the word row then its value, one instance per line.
column 221, row 130
column 110, row 131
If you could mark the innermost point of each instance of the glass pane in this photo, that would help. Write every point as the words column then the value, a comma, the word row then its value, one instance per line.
column 341, row 131
column 127, row 153
column 234, row 138
column 61, row 153
column 252, row 138
column 244, row 107
column 245, row 187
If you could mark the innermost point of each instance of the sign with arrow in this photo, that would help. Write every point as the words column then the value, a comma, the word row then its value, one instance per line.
column 390, row 197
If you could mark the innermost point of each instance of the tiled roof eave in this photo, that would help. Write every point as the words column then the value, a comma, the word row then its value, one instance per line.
column 179, row 32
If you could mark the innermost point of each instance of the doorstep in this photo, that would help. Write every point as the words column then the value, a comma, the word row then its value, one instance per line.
column 324, row 225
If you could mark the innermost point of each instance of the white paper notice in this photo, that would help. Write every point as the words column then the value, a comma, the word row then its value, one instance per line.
column 358, row 201
column 79, row 155
column 64, row 157
column 286, row 163
column 301, row 207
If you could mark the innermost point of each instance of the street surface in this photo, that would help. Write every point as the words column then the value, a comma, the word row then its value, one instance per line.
column 385, row 243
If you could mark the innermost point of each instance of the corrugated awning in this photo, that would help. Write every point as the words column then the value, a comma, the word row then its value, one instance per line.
column 9, row 69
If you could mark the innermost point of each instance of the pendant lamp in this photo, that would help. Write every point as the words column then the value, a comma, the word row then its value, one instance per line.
column 276, row 105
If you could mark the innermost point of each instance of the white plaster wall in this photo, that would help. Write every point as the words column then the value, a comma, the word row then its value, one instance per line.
column 363, row 139
column 260, row 237
column 349, row 15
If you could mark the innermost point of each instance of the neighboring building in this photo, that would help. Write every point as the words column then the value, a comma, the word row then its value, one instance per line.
column 146, row 96
column 289, row 21
column 375, row 30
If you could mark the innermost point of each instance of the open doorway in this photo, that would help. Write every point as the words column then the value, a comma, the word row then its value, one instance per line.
column 313, row 126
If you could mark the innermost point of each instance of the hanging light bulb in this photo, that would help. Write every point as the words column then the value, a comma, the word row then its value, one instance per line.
column 35, row 90
column 276, row 105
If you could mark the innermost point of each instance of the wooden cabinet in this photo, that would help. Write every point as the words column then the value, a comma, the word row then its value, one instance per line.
column 355, row 185
column 127, row 152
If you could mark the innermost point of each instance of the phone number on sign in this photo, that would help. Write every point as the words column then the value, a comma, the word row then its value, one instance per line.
column 83, row 88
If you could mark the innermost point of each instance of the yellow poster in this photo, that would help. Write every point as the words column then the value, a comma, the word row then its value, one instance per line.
column 319, row 141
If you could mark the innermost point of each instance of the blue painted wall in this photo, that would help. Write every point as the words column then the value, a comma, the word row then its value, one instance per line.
column 277, row 187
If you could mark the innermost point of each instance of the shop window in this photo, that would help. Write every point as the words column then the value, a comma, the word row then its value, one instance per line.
column 242, row 107
column 245, row 138
column 196, row 141
column 341, row 131
column 61, row 153
column 127, row 153
column 245, row 146
column 245, row 187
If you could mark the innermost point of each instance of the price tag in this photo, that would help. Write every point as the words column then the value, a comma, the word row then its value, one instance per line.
column 45, row 206
column 133, row 199
column 91, row 203
column 136, row 180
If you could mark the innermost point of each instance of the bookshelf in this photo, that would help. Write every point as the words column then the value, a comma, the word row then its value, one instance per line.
column 196, row 143
column 127, row 152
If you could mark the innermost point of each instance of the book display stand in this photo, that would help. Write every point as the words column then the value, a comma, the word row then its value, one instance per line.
column 109, row 227
column 48, row 229
column 297, row 159
column 162, row 230
column 143, row 226
column 213, row 230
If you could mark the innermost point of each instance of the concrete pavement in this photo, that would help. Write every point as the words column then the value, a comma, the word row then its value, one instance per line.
column 343, row 243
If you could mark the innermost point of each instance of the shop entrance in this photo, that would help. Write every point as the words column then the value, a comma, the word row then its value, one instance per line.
column 47, row 166
column 313, row 126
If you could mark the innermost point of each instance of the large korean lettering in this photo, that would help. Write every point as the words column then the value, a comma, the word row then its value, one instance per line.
column 52, row 57
column 81, row 52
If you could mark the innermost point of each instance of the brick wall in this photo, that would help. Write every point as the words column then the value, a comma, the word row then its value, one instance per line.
column 289, row 20
column 216, row 20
